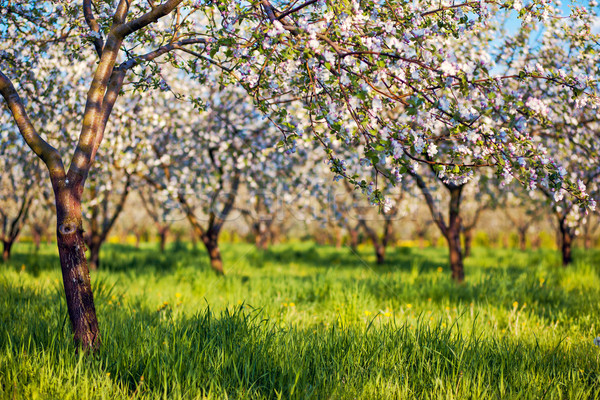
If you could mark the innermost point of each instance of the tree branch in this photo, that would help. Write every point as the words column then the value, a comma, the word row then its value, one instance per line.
column 48, row 154
column 437, row 216
column 152, row 16
column 94, row 26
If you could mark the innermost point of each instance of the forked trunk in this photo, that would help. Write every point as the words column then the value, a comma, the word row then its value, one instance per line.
column 76, row 277
column 453, row 235
column 6, row 248
column 211, row 242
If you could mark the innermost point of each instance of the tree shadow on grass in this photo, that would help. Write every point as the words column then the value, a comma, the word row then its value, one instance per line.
column 325, row 257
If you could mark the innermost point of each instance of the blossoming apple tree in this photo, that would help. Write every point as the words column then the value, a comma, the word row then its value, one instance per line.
column 351, row 63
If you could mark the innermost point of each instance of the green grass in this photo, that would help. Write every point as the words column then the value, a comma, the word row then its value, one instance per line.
column 305, row 321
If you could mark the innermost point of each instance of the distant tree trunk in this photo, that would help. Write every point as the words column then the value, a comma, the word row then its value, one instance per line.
column 468, row 240
column 379, row 253
column 339, row 239
column 210, row 235
column 162, row 236
column 522, row 231
column 37, row 238
column 353, row 235
column 94, row 246
column 101, row 221
column 378, row 246
column 536, row 242
column 453, row 234
column 11, row 228
column 274, row 233
column 138, row 238
column 587, row 242
column 261, row 234
column 211, row 241
column 450, row 231
column 76, row 277
column 566, row 239
column 6, row 248
column 505, row 242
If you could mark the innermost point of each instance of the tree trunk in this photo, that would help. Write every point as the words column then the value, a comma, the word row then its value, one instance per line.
column 468, row 240
column 162, row 235
column 210, row 240
column 6, row 248
column 453, row 235
column 261, row 235
column 522, row 238
column 353, row 239
column 76, row 277
column 566, row 244
column 339, row 239
column 94, row 247
column 587, row 243
column 379, row 253
column 37, row 238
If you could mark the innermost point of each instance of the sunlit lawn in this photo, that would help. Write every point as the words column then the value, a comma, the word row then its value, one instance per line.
column 306, row 321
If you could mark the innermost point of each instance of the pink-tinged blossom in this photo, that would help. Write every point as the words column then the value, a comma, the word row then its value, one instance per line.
column 537, row 106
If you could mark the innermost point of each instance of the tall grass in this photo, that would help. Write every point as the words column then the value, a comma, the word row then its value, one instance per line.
column 306, row 321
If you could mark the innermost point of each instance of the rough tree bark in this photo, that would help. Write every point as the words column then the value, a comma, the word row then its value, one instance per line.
column 76, row 277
